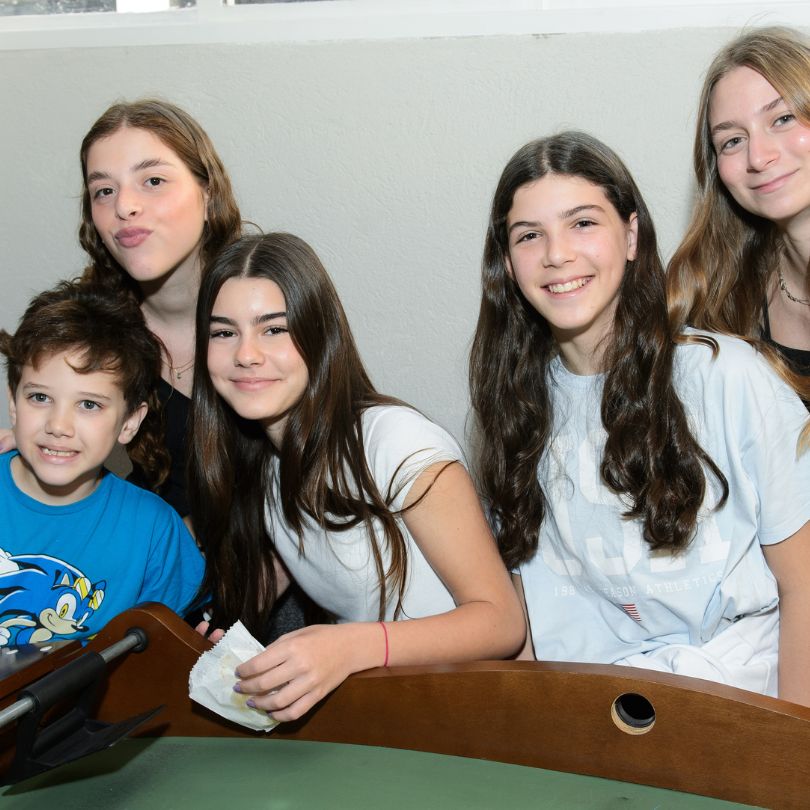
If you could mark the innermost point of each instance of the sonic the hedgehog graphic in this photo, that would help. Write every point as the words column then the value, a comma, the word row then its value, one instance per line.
column 43, row 598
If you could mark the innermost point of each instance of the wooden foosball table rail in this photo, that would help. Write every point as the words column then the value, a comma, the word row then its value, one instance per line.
column 615, row 722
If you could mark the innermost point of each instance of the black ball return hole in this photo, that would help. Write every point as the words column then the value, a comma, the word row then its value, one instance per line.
column 633, row 713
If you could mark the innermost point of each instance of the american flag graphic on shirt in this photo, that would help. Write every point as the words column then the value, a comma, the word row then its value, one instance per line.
column 632, row 611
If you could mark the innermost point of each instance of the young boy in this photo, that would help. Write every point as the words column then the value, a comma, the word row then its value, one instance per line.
column 78, row 545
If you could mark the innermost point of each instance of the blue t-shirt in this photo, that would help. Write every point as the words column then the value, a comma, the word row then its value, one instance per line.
column 65, row 571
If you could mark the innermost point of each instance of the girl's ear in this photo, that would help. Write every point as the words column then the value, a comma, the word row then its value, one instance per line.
column 632, row 237
column 507, row 263
column 131, row 424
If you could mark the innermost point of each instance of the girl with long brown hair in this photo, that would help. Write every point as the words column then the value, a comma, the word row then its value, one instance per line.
column 301, row 468
column 644, row 483
column 743, row 266
column 157, row 205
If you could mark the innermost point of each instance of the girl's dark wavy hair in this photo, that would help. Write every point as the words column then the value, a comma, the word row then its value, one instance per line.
column 322, row 469
column 189, row 141
column 110, row 334
column 650, row 458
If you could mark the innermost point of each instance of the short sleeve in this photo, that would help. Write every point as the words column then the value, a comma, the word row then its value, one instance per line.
column 770, row 420
column 400, row 444
column 175, row 566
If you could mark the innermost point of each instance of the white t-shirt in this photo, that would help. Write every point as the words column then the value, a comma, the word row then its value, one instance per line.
column 337, row 569
column 596, row 593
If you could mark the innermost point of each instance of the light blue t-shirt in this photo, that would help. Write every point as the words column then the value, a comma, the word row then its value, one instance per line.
column 594, row 591
column 65, row 571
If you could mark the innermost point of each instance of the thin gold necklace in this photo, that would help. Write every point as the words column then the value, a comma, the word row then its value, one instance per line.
column 179, row 371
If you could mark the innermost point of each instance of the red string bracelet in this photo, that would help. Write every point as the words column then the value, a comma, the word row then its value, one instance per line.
column 385, row 633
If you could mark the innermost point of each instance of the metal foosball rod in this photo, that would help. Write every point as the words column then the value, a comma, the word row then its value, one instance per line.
column 67, row 676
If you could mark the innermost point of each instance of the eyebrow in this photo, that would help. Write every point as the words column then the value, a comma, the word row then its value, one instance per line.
column 257, row 321
column 149, row 163
column 571, row 212
column 724, row 125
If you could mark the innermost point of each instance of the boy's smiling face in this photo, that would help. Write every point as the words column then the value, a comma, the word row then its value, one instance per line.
column 66, row 425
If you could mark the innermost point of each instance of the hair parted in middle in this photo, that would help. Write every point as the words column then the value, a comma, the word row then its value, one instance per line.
column 323, row 474
column 718, row 277
column 650, row 457
column 109, row 333
column 189, row 141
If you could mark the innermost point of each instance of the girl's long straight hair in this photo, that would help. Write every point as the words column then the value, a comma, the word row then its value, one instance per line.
column 322, row 469
column 718, row 278
column 651, row 457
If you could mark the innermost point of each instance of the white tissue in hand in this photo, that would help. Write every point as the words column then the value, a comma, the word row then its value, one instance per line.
column 212, row 679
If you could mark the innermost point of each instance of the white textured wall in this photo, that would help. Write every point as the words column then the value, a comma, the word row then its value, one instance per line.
column 383, row 155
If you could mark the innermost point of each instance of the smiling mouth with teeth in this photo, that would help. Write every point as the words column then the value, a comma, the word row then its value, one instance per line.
column 569, row 286
column 48, row 452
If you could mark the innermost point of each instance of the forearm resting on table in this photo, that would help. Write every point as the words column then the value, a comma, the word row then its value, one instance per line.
column 471, row 632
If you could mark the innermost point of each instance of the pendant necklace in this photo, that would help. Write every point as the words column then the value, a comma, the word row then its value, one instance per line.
column 179, row 371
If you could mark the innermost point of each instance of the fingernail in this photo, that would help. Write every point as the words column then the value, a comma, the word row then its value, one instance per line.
column 249, row 702
column 237, row 687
